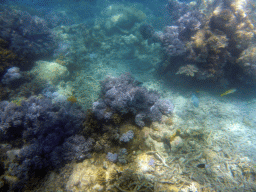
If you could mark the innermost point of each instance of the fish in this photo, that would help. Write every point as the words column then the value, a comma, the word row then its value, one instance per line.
column 203, row 165
column 195, row 100
column 228, row 92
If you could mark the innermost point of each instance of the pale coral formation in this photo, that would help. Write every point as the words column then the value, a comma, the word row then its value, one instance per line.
column 50, row 71
column 188, row 70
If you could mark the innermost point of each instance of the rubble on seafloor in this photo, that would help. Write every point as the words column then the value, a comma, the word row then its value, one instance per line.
column 176, row 159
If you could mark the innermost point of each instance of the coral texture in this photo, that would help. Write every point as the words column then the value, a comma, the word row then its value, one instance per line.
column 176, row 8
column 213, row 40
column 189, row 23
column 171, row 43
column 112, row 157
column 124, row 95
column 247, row 61
column 146, row 31
column 77, row 148
column 126, row 137
column 122, row 156
column 28, row 36
column 48, row 131
column 12, row 74
column 8, row 58
column 50, row 71
column 188, row 70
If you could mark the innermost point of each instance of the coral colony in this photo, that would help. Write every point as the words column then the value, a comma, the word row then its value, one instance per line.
column 209, row 45
column 124, row 95
column 49, row 131
column 28, row 36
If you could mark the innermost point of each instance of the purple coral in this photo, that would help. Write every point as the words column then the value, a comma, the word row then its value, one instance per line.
column 171, row 43
column 121, row 157
column 124, row 95
column 165, row 106
column 126, row 137
column 12, row 75
column 28, row 36
column 77, row 148
column 189, row 23
column 176, row 8
column 140, row 119
column 151, row 162
column 112, row 157
column 49, row 131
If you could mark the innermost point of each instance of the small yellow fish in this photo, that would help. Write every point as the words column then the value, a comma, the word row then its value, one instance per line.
column 228, row 92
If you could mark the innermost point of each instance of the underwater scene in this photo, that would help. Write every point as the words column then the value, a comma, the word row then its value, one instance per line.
column 127, row 96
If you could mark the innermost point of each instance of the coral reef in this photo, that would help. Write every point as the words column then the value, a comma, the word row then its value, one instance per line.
column 126, row 137
column 237, row 27
column 189, row 23
column 123, row 95
column 44, row 136
column 8, row 58
column 171, row 43
column 181, row 155
column 210, row 53
column 50, row 71
column 147, row 31
column 176, row 9
column 28, row 36
column 247, row 64
column 72, row 99
column 30, row 85
column 122, row 156
column 131, row 181
column 228, row 34
column 77, row 148
column 213, row 42
column 112, row 157
column 188, row 70
column 12, row 75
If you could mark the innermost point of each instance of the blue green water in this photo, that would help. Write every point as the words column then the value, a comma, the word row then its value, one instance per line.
column 198, row 55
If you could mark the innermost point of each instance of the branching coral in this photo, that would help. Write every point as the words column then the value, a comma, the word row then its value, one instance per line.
column 171, row 43
column 188, row 70
column 44, row 134
column 123, row 95
column 209, row 52
column 189, row 23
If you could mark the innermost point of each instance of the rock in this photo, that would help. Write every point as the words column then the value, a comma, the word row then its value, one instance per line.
column 176, row 143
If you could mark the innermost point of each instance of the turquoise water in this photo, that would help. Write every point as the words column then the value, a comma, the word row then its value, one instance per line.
column 183, row 120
